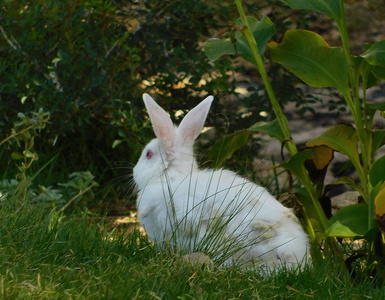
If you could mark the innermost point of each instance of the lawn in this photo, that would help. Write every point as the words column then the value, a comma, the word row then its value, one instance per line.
column 46, row 255
column 72, row 122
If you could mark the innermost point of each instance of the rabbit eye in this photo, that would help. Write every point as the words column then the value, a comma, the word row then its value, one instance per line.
column 149, row 154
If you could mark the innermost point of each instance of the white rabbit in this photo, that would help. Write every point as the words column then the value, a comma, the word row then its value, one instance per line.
column 217, row 212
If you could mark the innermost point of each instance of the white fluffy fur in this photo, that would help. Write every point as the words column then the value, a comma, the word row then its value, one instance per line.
column 180, row 206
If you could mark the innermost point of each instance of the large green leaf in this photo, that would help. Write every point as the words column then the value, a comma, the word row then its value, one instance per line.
column 374, row 107
column 273, row 129
column 215, row 48
column 378, row 139
column 226, row 146
column 366, row 71
column 308, row 56
column 375, row 55
column 329, row 7
column 350, row 182
column 380, row 106
column 312, row 161
column 350, row 221
column 262, row 31
column 342, row 138
column 377, row 171
column 295, row 164
column 379, row 72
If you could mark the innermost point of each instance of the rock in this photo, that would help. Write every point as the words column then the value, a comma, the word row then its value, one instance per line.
column 345, row 199
column 197, row 259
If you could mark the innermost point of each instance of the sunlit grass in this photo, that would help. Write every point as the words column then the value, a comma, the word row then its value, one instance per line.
column 47, row 256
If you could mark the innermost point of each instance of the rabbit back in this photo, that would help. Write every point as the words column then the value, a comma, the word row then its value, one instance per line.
column 184, row 213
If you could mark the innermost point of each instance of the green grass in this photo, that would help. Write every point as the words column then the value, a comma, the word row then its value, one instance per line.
column 47, row 256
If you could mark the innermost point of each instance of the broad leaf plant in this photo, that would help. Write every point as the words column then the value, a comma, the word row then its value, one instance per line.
column 309, row 57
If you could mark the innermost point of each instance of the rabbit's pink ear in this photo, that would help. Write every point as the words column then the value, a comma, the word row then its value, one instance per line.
column 193, row 122
column 161, row 122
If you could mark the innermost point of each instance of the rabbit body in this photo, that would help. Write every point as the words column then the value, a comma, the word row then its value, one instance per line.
column 211, row 211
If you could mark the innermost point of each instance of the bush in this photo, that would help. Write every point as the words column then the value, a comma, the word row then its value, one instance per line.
column 87, row 64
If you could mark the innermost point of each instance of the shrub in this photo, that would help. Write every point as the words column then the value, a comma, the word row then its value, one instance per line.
column 88, row 62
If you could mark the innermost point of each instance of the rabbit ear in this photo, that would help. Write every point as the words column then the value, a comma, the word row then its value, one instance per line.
column 161, row 122
column 193, row 122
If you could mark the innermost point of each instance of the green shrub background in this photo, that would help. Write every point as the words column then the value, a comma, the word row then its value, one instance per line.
column 87, row 64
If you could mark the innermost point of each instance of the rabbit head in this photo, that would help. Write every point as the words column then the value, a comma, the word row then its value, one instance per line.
column 170, row 155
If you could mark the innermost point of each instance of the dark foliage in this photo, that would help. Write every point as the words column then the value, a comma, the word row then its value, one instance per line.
column 88, row 62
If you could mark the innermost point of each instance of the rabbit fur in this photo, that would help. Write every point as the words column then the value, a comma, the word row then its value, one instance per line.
column 214, row 211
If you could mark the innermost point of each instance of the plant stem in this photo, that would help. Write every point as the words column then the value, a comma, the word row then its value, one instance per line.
column 76, row 196
column 354, row 104
column 362, row 126
column 278, row 111
column 291, row 147
column 16, row 134
column 286, row 131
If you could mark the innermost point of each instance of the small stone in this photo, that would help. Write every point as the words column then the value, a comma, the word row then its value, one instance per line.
column 345, row 199
column 197, row 259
